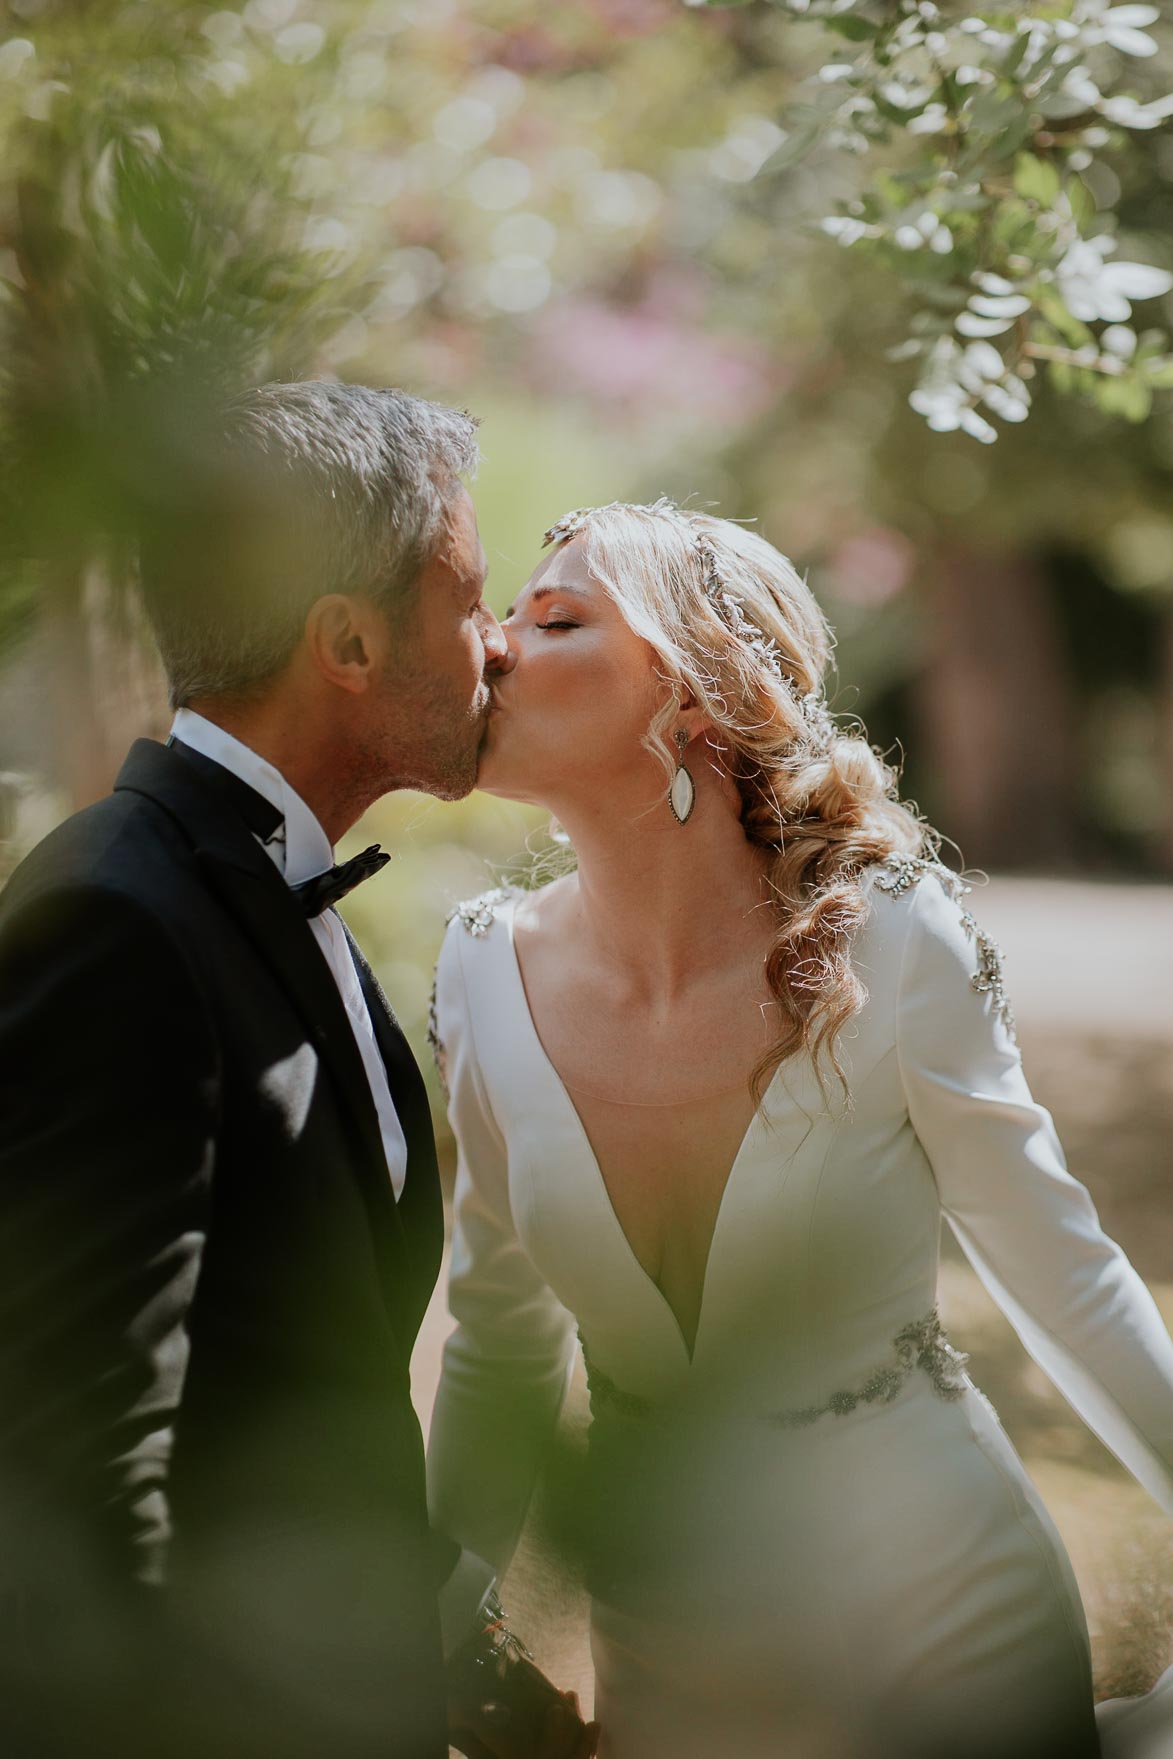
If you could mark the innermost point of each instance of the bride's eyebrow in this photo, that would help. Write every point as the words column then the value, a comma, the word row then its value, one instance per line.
column 551, row 592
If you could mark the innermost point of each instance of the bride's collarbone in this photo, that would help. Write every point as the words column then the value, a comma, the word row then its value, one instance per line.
column 610, row 1045
column 634, row 1060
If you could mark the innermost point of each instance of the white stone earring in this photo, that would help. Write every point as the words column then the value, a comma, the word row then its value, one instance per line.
column 682, row 793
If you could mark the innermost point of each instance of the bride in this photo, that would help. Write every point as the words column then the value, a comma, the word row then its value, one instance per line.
column 712, row 1092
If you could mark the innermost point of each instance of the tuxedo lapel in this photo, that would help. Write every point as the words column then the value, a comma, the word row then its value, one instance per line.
column 251, row 889
column 421, row 1206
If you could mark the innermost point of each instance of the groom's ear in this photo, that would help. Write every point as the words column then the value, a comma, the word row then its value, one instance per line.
column 342, row 635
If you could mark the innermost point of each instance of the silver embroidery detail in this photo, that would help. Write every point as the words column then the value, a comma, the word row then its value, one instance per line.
column 606, row 1395
column 903, row 872
column 436, row 1044
column 477, row 915
column 989, row 978
column 920, row 1345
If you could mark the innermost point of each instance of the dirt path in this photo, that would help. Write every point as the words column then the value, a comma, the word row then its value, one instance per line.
column 1084, row 956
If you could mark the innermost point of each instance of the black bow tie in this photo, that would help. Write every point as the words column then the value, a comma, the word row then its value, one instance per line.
column 318, row 894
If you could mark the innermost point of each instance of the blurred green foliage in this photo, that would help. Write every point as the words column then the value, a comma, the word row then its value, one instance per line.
column 597, row 225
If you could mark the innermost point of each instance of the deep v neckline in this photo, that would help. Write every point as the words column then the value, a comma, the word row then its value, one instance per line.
column 599, row 1183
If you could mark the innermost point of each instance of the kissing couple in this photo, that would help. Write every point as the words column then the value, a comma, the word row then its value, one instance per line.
column 712, row 1089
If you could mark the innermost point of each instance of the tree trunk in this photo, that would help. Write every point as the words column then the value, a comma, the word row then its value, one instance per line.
column 998, row 712
column 104, row 683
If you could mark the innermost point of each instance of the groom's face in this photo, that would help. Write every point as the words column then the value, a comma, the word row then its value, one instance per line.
column 435, row 692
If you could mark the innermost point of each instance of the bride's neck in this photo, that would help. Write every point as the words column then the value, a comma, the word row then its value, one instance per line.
column 664, row 903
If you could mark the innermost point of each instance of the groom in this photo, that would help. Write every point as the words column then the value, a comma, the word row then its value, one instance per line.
column 220, row 1219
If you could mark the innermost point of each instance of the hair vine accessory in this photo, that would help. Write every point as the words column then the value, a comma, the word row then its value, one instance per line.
column 572, row 523
column 819, row 729
column 567, row 527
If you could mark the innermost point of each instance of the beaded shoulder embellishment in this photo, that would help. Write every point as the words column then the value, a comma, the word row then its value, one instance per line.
column 902, row 872
column 919, row 1346
column 477, row 915
column 436, row 1044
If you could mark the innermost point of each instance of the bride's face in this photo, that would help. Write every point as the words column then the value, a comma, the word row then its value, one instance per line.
column 573, row 697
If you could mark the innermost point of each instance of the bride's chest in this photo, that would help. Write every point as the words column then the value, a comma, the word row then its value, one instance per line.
column 665, row 1169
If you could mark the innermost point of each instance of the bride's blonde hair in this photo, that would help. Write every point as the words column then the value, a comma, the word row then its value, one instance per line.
column 733, row 624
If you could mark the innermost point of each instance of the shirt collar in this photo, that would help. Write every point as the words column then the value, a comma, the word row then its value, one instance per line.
column 307, row 848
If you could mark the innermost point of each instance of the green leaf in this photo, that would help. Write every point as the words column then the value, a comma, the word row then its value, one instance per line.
column 964, row 201
column 851, row 26
column 1083, row 202
column 1014, row 54
column 1130, row 397
column 1036, row 179
column 891, row 191
column 1072, row 331
column 1159, row 373
column 1015, row 133
column 993, row 113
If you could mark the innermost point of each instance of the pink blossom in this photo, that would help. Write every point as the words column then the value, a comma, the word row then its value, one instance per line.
column 872, row 566
column 650, row 361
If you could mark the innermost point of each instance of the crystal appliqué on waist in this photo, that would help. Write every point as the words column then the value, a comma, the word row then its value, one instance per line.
column 921, row 1346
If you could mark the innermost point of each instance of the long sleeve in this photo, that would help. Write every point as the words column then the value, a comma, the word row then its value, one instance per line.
column 1029, row 1229
column 109, row 1097
column 109, row 1081
column 507, row 1365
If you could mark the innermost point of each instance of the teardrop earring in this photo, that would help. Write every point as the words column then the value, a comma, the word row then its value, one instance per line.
column 682, row 793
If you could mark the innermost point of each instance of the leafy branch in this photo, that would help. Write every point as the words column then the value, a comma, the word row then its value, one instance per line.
column 982, row 137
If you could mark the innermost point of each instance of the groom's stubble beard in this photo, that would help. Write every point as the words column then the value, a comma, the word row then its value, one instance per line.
column 433, row 737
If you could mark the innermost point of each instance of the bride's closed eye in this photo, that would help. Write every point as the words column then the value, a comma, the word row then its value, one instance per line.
column 557, row 623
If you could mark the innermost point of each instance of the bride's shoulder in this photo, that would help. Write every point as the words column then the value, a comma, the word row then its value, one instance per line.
column 477, row 917
column 900, row 876
column 920, row 917
column 528, row 910
column 907, row 895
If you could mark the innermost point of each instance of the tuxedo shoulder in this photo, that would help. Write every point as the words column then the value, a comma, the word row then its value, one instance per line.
column 119, row 846
column 111, row 889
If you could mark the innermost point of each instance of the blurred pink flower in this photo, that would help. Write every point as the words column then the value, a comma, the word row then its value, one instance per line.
column 871, row 567
column 634, row 18
column 649, row 361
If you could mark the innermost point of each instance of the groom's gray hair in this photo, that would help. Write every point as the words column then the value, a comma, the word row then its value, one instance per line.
column 293, row 491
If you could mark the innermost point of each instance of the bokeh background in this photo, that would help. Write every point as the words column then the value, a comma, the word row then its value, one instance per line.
column 586, row 223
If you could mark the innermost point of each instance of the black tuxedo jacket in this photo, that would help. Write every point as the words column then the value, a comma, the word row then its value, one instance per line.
column 213, row 1533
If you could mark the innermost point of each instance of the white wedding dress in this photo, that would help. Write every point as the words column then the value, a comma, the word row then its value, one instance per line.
column 814, row 1539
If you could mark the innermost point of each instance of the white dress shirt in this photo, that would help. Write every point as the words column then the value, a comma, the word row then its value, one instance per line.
column 300, row 852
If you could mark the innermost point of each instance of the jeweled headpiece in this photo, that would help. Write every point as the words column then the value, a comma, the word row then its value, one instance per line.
column 819, row 725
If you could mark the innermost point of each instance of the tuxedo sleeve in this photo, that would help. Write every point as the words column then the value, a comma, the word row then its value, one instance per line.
column 109, row 1081
column 507, row 1365
column 1028, row 1227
